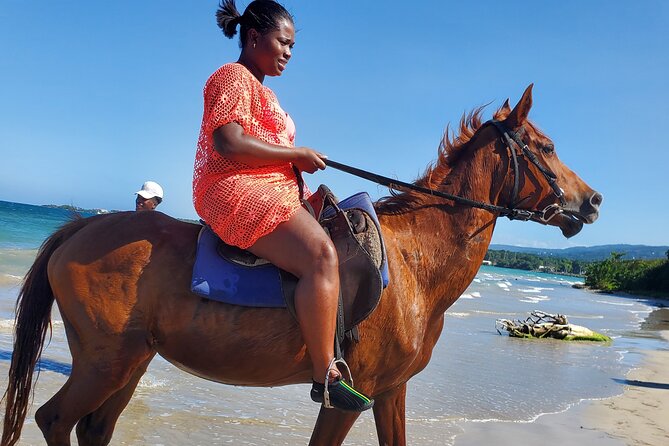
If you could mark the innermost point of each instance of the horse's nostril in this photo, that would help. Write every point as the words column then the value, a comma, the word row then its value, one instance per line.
column 596, row 199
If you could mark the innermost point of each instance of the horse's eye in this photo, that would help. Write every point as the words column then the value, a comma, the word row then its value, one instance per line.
column 548, row 149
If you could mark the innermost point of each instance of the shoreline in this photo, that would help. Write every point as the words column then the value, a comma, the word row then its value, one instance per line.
column 637, row 416
column 656, row 299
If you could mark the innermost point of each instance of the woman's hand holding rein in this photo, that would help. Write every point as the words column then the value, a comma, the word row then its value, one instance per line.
column 308, row 160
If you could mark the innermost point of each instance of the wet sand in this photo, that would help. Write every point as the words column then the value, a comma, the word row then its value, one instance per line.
column 639, row 416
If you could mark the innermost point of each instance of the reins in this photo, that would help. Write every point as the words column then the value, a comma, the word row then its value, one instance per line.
column 512, row 213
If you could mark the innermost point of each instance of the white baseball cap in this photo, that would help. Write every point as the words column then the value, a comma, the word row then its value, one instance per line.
column 150, row 189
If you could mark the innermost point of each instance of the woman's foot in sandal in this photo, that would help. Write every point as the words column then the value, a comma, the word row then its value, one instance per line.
column 341, row 396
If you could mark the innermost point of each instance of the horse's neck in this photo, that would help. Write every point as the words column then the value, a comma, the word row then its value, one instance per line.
column 446, row 243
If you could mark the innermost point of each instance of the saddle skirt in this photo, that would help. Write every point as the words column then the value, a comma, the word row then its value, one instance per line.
column 235, row 276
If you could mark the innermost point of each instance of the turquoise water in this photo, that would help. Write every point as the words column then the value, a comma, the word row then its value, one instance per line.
column 25, row 226
column 474, row 373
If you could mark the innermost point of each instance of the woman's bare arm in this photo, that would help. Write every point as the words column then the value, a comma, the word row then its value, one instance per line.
column 231, row 142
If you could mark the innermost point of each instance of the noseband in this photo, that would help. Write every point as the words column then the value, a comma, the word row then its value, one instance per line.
column 511, row 140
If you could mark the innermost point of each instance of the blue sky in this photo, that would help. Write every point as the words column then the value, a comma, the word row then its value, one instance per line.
column 97, row 97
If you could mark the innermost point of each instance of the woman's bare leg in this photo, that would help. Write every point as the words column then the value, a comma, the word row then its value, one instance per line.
column 301, row 247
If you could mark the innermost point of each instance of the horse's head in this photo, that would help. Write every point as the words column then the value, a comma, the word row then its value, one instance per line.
column 544, row 182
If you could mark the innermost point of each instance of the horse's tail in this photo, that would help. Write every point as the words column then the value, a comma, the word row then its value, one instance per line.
column 33, row 317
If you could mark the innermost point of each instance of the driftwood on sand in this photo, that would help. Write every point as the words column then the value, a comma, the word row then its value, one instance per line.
column 545, row 325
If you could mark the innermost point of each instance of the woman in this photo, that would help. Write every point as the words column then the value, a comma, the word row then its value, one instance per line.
column 245, row 186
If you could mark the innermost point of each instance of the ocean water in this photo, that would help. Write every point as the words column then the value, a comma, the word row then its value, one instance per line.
column 475, row 373
column 23, row 228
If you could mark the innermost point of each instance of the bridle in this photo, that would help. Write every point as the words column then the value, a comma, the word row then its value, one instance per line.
column 512, row 138
column 512, row 212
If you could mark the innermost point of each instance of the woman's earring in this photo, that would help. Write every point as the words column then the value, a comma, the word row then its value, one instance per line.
column 254, row 44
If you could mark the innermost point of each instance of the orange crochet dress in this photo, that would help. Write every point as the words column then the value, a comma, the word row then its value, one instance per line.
column 243, row 203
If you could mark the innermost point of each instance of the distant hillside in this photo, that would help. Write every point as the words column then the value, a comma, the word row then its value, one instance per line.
column 69, row 207
column 590, row 253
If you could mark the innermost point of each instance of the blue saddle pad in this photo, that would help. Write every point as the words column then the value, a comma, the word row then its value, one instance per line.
column 218, row 278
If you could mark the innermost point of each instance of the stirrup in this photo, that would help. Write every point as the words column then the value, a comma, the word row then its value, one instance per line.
column 339, row 394
column 331, row 366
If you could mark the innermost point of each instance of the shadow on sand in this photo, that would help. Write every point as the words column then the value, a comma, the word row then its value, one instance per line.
column 634, row 382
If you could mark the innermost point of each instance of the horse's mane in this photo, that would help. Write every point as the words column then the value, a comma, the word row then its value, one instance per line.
column 448, row 154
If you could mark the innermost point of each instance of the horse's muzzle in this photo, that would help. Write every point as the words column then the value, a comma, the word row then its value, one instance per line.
column 589, row 210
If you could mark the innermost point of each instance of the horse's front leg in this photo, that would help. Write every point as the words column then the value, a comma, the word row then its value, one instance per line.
column 389, row 416
column 332, row 426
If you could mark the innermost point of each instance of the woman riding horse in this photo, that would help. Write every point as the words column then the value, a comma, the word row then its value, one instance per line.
column 245, row 184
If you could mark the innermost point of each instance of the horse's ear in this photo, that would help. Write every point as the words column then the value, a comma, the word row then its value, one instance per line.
column 506, row 107
column 519, row 113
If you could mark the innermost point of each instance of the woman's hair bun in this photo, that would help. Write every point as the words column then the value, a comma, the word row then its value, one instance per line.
column 228, row 17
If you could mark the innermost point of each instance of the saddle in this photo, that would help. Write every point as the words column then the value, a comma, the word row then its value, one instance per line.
column 232, row 275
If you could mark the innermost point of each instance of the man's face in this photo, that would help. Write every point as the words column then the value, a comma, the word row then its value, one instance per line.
column 145, row 204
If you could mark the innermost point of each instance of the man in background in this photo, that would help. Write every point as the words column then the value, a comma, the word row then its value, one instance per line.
column 149, row 196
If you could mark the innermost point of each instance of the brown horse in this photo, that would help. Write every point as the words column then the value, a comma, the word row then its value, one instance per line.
column 121, row 282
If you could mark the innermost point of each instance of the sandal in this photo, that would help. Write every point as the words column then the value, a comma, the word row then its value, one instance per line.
column 339, row 394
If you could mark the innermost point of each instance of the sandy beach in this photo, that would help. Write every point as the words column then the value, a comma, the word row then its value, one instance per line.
column 639, row 416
